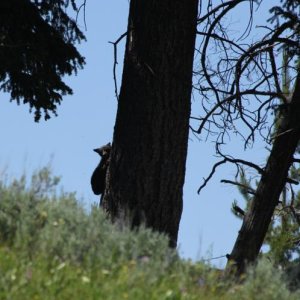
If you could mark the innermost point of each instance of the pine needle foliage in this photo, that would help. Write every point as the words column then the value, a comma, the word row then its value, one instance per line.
column 37, row 48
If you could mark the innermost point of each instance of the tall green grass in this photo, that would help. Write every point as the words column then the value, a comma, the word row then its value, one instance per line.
column 52, row 248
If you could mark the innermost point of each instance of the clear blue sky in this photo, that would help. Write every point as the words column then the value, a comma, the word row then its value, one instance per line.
column 86, row 120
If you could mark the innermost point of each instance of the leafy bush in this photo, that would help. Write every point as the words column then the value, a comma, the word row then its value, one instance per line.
column 264, row 282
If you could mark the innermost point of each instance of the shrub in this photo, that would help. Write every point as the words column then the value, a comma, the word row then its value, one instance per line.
column 52, row 248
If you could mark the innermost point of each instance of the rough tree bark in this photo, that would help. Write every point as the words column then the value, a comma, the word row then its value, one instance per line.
column 272, row 182
column 147, row 168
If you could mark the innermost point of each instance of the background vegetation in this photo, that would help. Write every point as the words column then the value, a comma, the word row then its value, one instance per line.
column 52, row 248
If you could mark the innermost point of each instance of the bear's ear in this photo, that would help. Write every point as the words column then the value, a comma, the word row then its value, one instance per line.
column 104, row 150
column 98, row 150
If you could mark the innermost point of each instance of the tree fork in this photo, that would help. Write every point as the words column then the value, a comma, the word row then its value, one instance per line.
column 257, row 219
column 147, row 168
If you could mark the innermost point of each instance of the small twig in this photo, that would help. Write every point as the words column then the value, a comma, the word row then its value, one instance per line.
column 292, row 181
column 280, row 134
column 248, row 189
column 115, row 44
column 237, row 209
column 206, row 180
column 296, row 242
column 295, row 214
column 84, row 19
column 217, row 257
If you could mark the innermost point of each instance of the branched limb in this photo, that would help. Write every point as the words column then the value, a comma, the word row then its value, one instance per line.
column 241, row 84
column 221, row 6
column 237, row 162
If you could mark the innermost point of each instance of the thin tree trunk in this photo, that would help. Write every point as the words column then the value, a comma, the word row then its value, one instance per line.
column 147, row 168
column 256, row 221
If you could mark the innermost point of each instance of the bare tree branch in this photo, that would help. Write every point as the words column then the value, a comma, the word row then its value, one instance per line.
column 115, row 44
column 248, row 189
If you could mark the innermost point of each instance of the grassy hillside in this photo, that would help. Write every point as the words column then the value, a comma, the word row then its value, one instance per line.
column 51, row 248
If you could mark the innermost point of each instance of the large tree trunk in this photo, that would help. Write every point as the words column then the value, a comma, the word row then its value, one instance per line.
column 256, row 221
column 147, row 168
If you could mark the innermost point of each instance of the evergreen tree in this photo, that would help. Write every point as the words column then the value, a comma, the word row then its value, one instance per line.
column 37, row 48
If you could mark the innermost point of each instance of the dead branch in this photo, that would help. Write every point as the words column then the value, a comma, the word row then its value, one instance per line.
column 248, row 189
column 83, row 5
column 115, row 44
column 241, row 73
column 226, row 159
column 206, row 180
